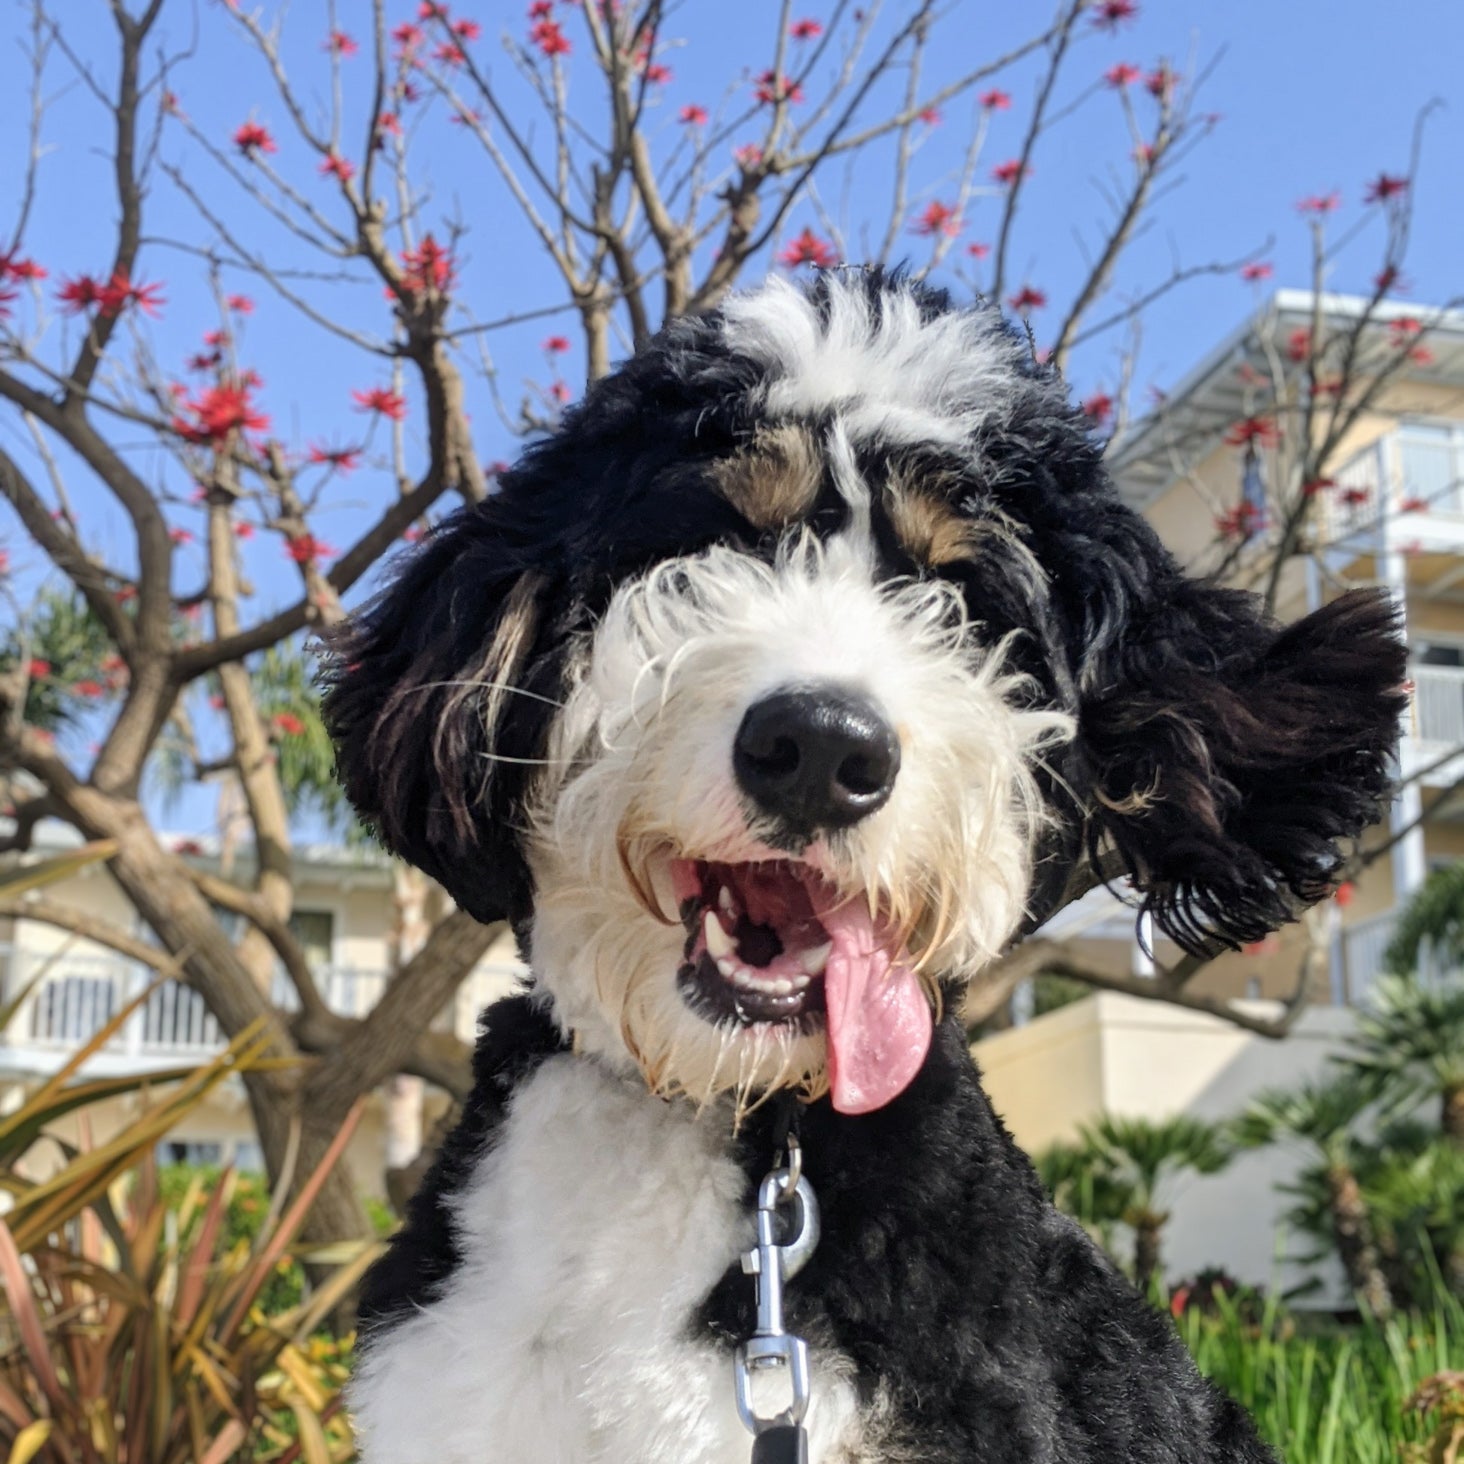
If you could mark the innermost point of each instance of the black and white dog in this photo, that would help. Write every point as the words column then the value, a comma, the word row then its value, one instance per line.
column 771, row 698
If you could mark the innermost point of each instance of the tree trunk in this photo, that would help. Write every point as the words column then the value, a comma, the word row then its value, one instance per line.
column 1352, row 1233
column 1147, row 1259
column 1453, row 1117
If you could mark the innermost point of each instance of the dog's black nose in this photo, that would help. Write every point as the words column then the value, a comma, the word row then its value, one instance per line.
column 815, row 759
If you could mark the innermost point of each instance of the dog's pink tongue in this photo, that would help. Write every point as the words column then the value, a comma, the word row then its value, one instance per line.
column 879, row 1019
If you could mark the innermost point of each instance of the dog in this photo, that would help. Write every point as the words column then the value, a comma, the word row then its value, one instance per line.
column 771, row 698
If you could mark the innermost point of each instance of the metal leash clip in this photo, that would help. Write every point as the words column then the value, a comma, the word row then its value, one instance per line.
column 786, row 1207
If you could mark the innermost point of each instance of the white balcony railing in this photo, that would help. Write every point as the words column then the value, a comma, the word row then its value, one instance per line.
column 79, row 994
column 1438, row 705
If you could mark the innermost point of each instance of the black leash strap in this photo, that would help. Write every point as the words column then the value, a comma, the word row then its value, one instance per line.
column 783, row 1443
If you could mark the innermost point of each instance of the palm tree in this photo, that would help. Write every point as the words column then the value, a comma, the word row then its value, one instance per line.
column 1137, row 1159
column 1319, row 1117
column 1080, row 1186
column 1435, row 917
column 1410, row 1039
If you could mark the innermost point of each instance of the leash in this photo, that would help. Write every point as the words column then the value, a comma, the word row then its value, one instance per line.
column 787, row 1232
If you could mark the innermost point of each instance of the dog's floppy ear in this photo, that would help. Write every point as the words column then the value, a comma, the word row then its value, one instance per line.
column 1232, row 760
column 436, row 724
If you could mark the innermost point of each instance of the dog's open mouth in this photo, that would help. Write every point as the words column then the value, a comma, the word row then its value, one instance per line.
column 773, row 942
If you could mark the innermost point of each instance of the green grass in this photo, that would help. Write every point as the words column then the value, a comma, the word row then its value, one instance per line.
column 1325, row 1394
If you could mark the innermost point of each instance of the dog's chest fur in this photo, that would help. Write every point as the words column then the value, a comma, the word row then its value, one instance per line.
column 589, row 1236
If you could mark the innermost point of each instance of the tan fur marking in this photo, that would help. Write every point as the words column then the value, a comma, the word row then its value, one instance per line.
column 932, row 531
column 774, row 481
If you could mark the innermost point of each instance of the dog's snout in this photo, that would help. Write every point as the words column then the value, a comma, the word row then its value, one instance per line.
column 818, row 758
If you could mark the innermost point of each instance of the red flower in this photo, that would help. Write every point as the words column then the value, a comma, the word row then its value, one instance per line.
column 189, row 847
column 1009, row 172
column 1110, row 14
column 1258, row 269
column 389, row 122
column 996, row 100
column 288, row 723
column 37, row 669
column 1240, row 522
column 1122, row 74
column 240, row 304
column 541, row 9
column 769, row 88
column 14, row 268
column 1384, row 187
column 244, row 530
column 1160, row 82
column 79, row 294
column 1405, row 326
column 694, row 115
column 7, row 299
column 1098, row 408
column 427, row 267
column 1389, row 277
column 408, row 36
column 115, row 296
column 449, row 53
column 1319, row 203
column 978, row 251
column 431, row 10
column 254, row 138
column 748, row 156
column 1344, row 892
column 1299, row 344
column 808, row 248
column 1313, row 486
column 88, row 688
column 180, row 536
column 1259, row 430
column 806, row 30
column 411, row 534
column 556, row 345
column 1413, row 505
column 336, row 166
column 559, row 391
column 383, row 400
column 340, row 459
column 467, row 30
column 306, row 549
column 1421, row 356
column 340, row 44
column 1027, row 298
column 217, row 412
column 216, row 702
column 937, row 218
column 550, row 38
column 931, row 116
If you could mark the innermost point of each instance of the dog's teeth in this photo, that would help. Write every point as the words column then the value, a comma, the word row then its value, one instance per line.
column 781, row 986
column 728, row 967
column 816, row 958
column 724, row 899
column 719, row 943
column 741, row 976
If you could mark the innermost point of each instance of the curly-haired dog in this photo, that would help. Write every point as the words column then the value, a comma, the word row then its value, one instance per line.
column 771, row 698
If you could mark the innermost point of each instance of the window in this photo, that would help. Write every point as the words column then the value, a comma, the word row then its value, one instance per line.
column 315, row 930
column 190, row 1151
column 1428, row 465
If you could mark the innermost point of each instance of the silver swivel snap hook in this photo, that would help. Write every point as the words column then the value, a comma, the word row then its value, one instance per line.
column 787, row 1232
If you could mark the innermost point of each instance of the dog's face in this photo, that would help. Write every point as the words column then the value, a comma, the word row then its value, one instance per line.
column 782, row 687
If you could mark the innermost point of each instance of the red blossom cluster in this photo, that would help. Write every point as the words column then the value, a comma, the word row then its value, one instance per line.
column 996, row 100
column 1299, row 344
column 110, row 297
column 1160, row 83
column 1241, row 522
column 546, row 34
column 338, row 43
column 556, row 345
column 287, row 723
column 1010, row 172
column 808, row 248
column 428, row 267
column 748, row 156
column 1122, row 74
column 769, row 87
column 339, row 459
column 1027, row 298
column 1110, row 14
column 335, row 166
column 1403, row 336
column 1098, row 408
column 218, row 411
column 937, row 218
column 1261, row 431
column 931, row 116
column 307, row 549
column 1319, row 204
column 1256, row 270
column 806, row 30
column 13, row 267
column 383, row 401
column 1385, row 187
column 693, row 115
column 978, row 251
column 253, row 138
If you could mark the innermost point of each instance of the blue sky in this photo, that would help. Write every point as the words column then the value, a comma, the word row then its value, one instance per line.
column 1314, row 95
